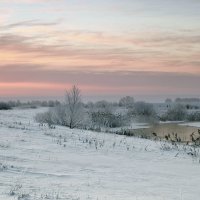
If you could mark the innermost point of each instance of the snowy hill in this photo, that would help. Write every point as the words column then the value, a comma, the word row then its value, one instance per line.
column 41, row 163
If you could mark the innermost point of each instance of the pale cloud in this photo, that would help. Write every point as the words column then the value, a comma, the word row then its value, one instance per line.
column 29, row 23
column 96, row 51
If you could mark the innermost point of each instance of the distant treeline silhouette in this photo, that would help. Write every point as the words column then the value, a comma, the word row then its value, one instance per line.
column 187, row 100
column 29, row 104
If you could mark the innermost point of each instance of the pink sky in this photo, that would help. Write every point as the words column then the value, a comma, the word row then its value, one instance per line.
column 105, row 47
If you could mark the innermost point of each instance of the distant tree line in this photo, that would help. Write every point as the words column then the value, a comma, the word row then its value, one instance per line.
column 30, row 104
column 183, row 100
column 5, row 106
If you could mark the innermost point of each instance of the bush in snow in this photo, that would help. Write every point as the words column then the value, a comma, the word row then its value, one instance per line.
column 143, row 112
column 47, row 117
column 4, row 106
column 106, row 116
column 193, row 116
column 177, row 112
column 127, row 102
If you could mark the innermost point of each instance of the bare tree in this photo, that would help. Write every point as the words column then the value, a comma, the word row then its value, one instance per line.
column 74, row 107
column 127, row 102
column 144, row 109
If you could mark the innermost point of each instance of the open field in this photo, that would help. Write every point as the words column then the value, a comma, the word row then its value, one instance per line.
column 41, row 163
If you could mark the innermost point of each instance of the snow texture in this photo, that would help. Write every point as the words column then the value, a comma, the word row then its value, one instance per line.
column 37, row 162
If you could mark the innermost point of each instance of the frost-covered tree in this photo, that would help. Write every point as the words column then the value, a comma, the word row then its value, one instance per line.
column 69, row 114
column 168, row 101
column 143, row 112
column 127, row 102
column 177, row 112
column 74, row 107
column 144, row 109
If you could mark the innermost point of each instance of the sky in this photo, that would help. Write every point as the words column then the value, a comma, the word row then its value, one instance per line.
column 105, row 47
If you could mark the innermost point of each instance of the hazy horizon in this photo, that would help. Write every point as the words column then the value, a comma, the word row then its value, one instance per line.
column 95, row 98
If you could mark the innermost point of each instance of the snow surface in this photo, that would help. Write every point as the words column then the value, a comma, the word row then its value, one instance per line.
column 41, row 163
column 193, row 124
column 134, row 125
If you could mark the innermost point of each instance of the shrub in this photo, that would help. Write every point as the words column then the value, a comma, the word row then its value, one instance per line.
column 193, row 116
column 177, row 112
column 106, row 119
column 47, row 117
column 127, row 102
column 143, row 112
column 4, row 106
column 145, row 109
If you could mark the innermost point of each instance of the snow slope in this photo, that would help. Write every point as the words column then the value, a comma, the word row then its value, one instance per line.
column 41, row 163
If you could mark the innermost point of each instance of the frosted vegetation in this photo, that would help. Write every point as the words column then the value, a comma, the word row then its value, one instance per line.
column 74, row 113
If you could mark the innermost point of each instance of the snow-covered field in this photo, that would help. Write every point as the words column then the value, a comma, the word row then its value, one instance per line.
column 192, row 124
column 41, row 163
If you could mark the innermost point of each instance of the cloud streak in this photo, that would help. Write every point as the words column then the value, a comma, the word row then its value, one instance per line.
column 29, row 23
column 68, row 52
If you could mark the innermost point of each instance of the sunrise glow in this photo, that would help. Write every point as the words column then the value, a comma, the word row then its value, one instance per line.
column 47, row 46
